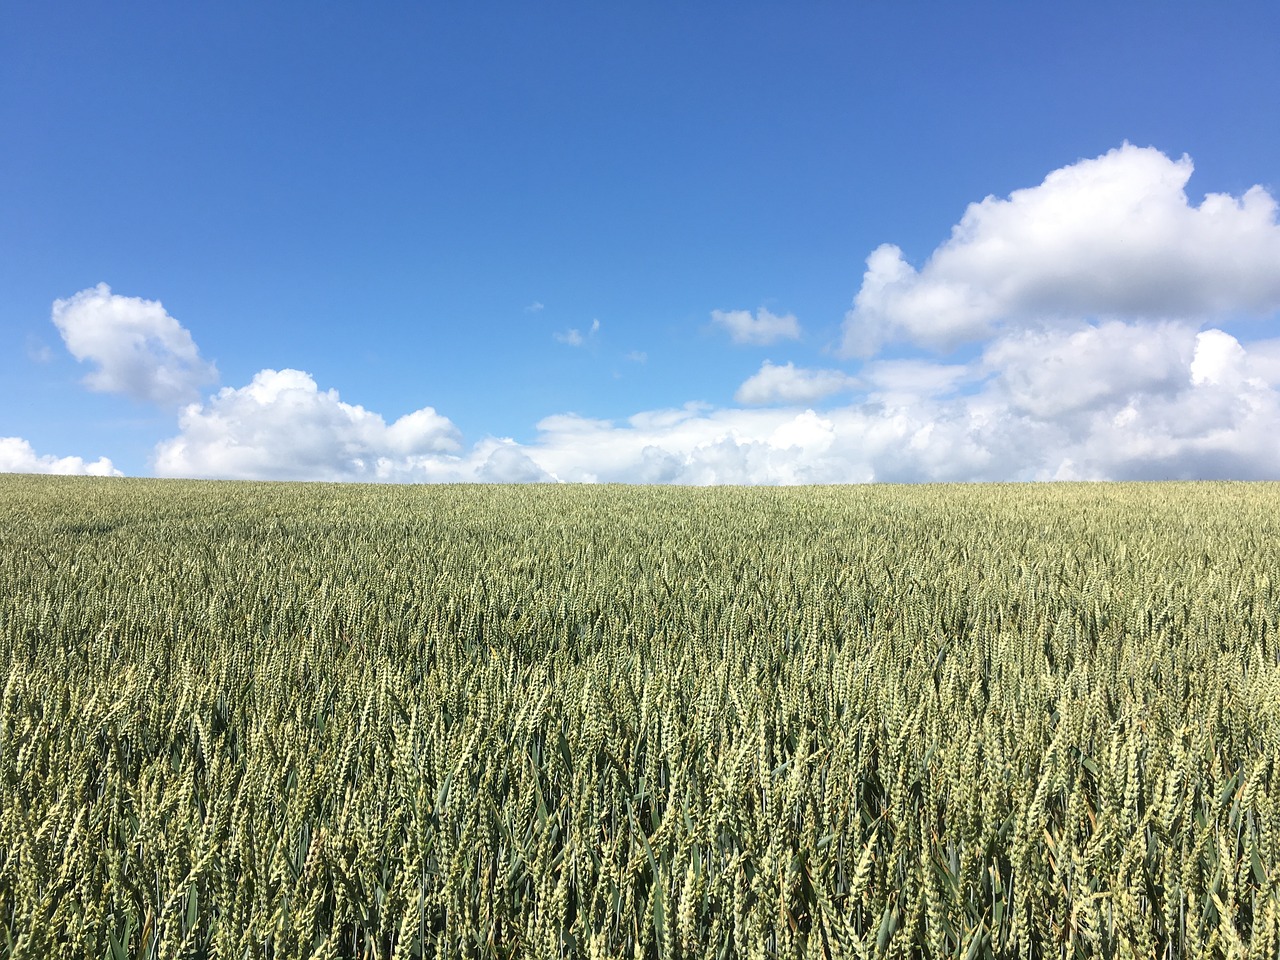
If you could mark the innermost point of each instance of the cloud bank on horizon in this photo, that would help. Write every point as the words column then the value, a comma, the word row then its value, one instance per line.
column 1088, row 309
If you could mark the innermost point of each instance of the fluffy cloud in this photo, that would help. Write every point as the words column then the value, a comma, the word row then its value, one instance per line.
column 762, row 329
column 1054, row 375
column 1109, row 238
column 691, row 444
column 18, row 456
column 282, row 426
column 1092, row 401
column 1093, row 303
column 787, row 383
column 137, row 348
column 1118, row 401
column 1215, row 416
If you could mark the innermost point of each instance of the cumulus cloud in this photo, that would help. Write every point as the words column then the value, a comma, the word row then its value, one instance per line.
column 762, row 329
column 1093, row 401
column 691, row 444
column 1215, row 417
column 283, row 426
column 137, row 349
column 787, row 383
column 1167, row 402
column 1056, row 374
column 1113, row 237
column 1094, row 304
column 18, row 456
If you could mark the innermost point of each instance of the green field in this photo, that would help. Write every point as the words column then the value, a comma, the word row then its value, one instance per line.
column 257, row 720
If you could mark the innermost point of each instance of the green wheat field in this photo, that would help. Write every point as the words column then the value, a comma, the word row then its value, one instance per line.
column 294, row 720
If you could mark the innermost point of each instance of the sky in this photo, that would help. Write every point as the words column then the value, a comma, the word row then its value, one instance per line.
column 703, row 243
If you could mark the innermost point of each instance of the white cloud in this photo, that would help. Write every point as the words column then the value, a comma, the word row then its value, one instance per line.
column 575, row 337
column 762, row 329
column 138, row 349
column 1215, row 415
column 1053, row 374
column 1108, row 400
column 18, row 456
column 687, row 445
column 901, row 380
column 638, row 356
column 1095, row 401
column 282, row 426
column 535, row 307
column 1220, row 359
column 1109, row 238
column 787, row 383
column 1091, row 299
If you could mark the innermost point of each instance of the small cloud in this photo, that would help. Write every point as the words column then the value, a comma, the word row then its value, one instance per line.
column 37, row 350
column 138, row 349
column 535, row 307
column 762, row 329
column 638, row 356
column 18, row 456
column 575, row 337
column 787, row 383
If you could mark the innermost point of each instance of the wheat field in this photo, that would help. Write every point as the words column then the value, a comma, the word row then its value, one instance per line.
column 287, row 720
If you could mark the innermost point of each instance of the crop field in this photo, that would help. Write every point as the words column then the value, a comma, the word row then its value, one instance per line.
column 286, row 720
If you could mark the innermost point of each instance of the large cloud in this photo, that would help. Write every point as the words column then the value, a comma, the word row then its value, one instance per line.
column 1094, row 302
column 1121, row 401
column 1087, row 401
column 1110, row 238
column 691, row 444
column 137, row 348
column 1054, row 375
column 18, row 456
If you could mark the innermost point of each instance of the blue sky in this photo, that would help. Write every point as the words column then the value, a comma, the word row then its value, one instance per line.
column 608, row 243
